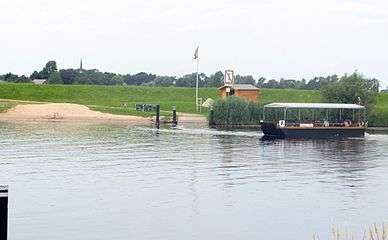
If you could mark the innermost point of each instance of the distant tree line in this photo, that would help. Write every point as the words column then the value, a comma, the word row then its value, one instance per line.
column 93, row 76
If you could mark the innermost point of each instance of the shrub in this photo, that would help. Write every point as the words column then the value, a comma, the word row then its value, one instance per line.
column 236, row 112
column 352, row 89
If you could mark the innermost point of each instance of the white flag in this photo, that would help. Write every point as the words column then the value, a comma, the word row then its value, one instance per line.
column 196, row 53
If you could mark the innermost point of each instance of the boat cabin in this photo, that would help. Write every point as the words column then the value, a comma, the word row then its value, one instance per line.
column 314, row 120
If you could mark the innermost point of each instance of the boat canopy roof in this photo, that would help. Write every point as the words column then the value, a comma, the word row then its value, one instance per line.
column 315, row 105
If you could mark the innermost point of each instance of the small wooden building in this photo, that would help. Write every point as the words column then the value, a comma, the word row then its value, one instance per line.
column 246, row 91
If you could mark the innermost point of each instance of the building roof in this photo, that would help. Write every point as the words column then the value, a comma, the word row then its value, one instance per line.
column 315, row 105
column 39, row 81
column 241, row 87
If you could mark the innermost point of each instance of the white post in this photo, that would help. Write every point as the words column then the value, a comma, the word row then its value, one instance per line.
column 196, row 85
column 299, row 114
column 263, row 113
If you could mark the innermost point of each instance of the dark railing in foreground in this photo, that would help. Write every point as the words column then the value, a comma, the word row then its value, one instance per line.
column 3, row 212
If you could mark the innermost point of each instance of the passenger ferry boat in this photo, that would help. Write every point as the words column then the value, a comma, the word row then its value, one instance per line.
column 313, row 120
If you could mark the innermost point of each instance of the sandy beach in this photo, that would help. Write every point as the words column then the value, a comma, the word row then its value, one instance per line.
column 67, row 112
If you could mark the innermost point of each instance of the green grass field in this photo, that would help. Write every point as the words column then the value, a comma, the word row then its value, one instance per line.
column 379, row 115
column 5, row 105
column 115, row 97
column 289, row 95
column 107, row 98
column 111, row 99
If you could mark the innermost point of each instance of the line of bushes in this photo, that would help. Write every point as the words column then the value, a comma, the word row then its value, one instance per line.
column 235, row 111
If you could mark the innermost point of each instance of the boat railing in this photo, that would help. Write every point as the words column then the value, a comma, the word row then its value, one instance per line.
column 311, row 124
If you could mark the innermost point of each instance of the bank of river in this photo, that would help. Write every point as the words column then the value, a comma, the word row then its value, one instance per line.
column 74, row 113
column 126, row 182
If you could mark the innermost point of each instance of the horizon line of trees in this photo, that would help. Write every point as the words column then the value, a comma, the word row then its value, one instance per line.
column 94, row 76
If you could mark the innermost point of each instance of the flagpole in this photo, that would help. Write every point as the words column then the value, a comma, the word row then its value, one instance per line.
column 196, row 85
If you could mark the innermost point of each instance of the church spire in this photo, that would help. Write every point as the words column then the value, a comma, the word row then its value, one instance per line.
column 80, row 66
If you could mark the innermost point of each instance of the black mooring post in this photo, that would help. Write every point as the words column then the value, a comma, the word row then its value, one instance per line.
column 174, row 119
column 3, row 212
column 211, row 117
column 157, row 120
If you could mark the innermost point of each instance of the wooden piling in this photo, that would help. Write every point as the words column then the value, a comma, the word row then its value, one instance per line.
column 174, row 117
column 157, row 120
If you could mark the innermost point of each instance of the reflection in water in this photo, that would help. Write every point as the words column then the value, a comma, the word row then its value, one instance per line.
column 117, row 182
column 226, row 143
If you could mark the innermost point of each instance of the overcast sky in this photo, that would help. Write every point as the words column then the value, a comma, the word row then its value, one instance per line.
column 274, row 39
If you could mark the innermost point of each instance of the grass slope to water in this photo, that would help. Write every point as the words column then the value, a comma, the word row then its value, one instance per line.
column 112, row 98
column 5, row 105
column 379, row 115
column 108, row 98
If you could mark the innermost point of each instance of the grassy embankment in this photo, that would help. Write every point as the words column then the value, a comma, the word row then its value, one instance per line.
column 5, row 105
column 106, row 98
column 379, row 115
column 112, row 98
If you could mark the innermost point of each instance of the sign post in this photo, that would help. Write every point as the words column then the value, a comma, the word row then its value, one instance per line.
column 229, row 78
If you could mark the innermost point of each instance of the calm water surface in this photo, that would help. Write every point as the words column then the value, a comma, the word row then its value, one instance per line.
column 117, row 182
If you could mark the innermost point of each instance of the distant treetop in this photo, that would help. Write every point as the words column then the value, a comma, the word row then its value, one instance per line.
column 93, row 76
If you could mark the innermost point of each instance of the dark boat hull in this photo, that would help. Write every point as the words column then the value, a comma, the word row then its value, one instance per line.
column 272, row 131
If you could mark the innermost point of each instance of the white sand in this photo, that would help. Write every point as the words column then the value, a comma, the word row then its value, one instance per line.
column 65, row 112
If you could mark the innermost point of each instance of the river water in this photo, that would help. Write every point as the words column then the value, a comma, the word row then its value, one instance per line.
column 117, row 182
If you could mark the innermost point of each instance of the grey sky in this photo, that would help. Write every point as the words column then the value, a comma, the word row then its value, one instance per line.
column 290, row 39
